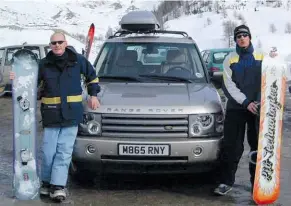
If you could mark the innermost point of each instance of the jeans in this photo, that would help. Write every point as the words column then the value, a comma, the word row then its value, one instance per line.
column 57, row 152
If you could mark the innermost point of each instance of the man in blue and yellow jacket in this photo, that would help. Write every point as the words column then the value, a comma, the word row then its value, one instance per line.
column 242, row 86
column 62, row 110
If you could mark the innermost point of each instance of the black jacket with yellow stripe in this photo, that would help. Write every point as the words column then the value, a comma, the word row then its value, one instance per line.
column 61, row 96
column 242, row 77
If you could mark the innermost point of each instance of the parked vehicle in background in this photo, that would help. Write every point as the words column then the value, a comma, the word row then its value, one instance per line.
column 213, row 59
column 6, row 54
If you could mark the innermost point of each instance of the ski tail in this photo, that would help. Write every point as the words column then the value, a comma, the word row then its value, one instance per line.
column 89, row 40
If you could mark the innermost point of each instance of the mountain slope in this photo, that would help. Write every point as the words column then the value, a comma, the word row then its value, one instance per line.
column 34, row 21
column 269, row 27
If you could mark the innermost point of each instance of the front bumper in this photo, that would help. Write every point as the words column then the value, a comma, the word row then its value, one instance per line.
column 185, row 152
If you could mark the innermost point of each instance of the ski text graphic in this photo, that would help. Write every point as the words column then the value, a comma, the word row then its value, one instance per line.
column 274, row 106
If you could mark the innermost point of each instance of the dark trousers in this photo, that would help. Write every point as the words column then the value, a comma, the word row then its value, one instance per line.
column 233, row 143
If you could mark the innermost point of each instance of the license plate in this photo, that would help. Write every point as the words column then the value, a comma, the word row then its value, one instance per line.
column 144, row 150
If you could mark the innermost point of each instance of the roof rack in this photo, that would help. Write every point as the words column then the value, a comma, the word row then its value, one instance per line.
column 126, row 32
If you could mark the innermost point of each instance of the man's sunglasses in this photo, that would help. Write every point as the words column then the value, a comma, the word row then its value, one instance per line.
column 241, row 35
column 57, row 42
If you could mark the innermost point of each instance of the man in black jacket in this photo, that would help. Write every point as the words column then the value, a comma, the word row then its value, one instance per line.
column 62, row 110
column 242, row 87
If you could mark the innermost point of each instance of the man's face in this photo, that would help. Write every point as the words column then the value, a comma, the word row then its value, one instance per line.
column 243, row 40
column 58, row 44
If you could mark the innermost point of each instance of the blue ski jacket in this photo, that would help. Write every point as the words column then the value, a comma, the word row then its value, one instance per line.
column 61, row 96
column 242, row 77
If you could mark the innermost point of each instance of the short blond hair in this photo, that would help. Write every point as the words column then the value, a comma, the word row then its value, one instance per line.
column 56, row 33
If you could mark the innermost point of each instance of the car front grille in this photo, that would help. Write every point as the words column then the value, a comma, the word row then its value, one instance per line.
column 144, row 126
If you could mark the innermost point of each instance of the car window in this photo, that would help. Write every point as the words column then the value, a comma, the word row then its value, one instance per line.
column 1, row 55
column 144, row 58
column 206, row 54
column 9, row 55
column 208, row 58
column 35, row 50
column 218, row 57
column 103, row 59
column 154, row 57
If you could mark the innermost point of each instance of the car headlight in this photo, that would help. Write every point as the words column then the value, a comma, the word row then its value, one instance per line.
column 93, row 127
column 91, row 124
column 202, row 125
column 219, row 123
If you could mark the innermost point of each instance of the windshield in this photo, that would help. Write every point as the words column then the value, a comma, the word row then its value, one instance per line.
column 149, row 61
column 219, row 57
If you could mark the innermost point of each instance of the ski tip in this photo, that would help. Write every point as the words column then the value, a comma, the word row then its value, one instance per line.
column 92, row 25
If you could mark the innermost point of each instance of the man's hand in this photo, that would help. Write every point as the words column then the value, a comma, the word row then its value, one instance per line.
column 93, row 103
column 11, row 75
column 253, row 108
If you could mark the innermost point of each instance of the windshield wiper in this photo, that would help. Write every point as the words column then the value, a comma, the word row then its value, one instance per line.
column 162, row 77
column 130, row 78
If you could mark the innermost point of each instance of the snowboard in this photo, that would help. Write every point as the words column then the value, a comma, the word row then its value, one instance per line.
column 273, row 87
column 24, row 94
